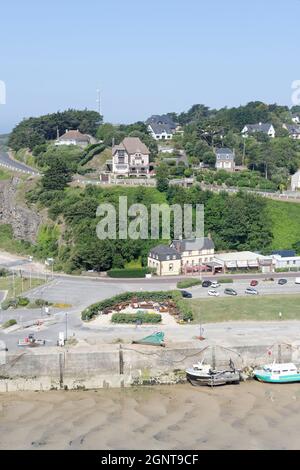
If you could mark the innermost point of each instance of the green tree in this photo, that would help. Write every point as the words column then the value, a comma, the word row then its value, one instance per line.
column 57, row 176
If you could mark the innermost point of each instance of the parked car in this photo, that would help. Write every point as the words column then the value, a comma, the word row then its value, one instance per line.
column 186, row 294
column 251, row 291
column 230, row 291
column 215, row 285
column 253, row 283
column 206, row 283
column 282, row 282
column 297, row 280
column 213, row 293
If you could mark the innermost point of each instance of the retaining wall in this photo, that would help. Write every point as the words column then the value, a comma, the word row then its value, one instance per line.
column 120, row 366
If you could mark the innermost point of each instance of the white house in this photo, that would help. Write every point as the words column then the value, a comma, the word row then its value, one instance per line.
column 296, row 118
column 74, row 138
column 161, row 127
column 225, row 159
column 295, row 182
column 265, row 128
column 286, row 259
column 293, row 130
column 130, row 158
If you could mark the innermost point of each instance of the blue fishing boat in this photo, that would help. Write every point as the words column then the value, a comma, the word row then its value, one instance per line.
column 278, row 373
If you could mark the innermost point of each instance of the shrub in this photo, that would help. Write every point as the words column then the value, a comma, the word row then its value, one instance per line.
column 225, row 280
column 128, row 273
column 188, row 283
column 9, row 323
column 134, row 317
column 23, row 301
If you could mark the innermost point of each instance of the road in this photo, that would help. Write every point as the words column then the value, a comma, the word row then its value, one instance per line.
column 81, row 292
column 7, row 162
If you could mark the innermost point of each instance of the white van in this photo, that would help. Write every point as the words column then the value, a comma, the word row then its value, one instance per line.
column 297, row 280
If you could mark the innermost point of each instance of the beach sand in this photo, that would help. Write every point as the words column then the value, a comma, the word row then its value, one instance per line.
column 249, row 416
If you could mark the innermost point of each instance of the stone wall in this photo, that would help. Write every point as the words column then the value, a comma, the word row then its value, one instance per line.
column 121, row 366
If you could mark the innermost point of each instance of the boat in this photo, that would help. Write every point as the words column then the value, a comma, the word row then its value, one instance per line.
column 278, row 373
column 203, row 374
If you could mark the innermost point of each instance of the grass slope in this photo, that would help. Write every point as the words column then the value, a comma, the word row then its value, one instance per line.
column 265, row 308
column 286, row 223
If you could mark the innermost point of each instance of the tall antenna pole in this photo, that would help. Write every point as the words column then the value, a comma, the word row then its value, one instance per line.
column 98, row 101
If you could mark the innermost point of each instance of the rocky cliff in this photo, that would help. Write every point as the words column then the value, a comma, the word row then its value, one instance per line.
column 24, row 221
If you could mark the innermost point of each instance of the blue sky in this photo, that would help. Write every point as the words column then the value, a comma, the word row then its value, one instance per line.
column 147, row 57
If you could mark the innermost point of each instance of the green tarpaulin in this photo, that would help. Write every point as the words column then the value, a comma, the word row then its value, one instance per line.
column 156, row 339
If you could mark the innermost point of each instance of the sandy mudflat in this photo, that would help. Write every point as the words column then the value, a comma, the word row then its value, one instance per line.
column 248, row 416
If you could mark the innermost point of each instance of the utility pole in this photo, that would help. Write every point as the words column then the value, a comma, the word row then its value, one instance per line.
column 244, row 151
column 14, row 285
column 66, row 317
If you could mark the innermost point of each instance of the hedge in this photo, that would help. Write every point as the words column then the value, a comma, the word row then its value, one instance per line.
column 159, row 296
column 225, row 280
column 134, row 317
column 188, row 283
column 128, row 273
column 9, row 323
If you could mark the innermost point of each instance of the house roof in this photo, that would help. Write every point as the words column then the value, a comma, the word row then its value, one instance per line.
column 260, row 127
column 292, row 129
column 161, row 119
column 162, row 252
column 195, row 244
column 224, row 152
column 132, row 145
column 285, row 253
column 161, row 128
column 75, row 135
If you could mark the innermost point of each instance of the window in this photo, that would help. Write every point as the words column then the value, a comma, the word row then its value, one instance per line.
column 171, row 267
column 168, row 257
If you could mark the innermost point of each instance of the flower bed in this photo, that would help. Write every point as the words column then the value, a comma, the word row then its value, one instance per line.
column 180, row 306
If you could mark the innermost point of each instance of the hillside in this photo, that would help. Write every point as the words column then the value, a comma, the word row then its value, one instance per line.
column 286, row 223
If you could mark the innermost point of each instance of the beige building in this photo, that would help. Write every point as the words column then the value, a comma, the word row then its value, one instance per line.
column 182, row 257
column 195, row 254
column 165, row 260
column 130, row 158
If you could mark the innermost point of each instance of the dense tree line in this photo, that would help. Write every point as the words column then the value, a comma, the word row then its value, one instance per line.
column 238, row 222
column 37, row 130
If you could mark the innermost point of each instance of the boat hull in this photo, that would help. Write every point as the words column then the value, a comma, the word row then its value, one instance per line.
column 214, row 380
column 280, row 380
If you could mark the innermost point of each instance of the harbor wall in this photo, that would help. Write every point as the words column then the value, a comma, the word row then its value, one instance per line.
column 125, row 365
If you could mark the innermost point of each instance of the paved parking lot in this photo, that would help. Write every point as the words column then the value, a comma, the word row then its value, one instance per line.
column 82, row 292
